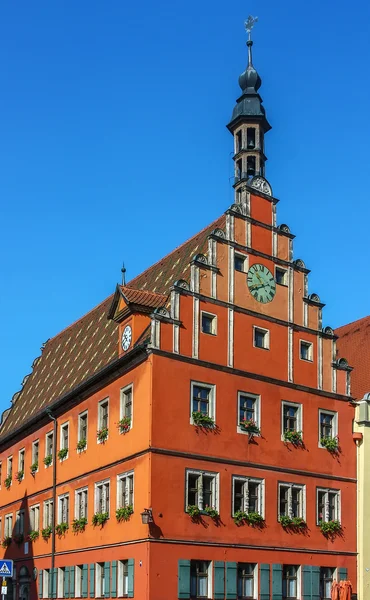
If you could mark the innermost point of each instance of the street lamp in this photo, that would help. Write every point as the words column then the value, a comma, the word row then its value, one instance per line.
column 147, row 516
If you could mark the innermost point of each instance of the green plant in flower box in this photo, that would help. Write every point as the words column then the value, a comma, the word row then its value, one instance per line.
column 100, row 518
column 48, row 460
column 78, row 525
column 8, row 482
column 61, row 528
column 193, row 510
column 46, row 532
column 33, row 535
column 19, row 476
column 124, row 513
column 330, row 527
column 63, row 453
column 6, row 542
column 254, row 518
column 124, row 424
column 294, row 437
column 202, row 420
column 211, row 512
column 250, row 426
column 102, row 434
column 34, row 467
column 81, row 444
column 239, row 517
column 330, row 443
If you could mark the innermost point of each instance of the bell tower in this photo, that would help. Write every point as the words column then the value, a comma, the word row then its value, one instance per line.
column 248, row 124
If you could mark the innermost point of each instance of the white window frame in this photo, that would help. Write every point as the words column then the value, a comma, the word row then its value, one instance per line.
column 326, row 491
column 255, row 576
column 244, row 257
column 122, row 567
column 122, row 406
column 9, row 466
column 48, row 436
column 266, row 339
column 334, row 423
column 19, row 522
column 204, row 313
column 124, row 479
column 60, row 588
column 60, row 508
column 22, row 452
column 290, row 487
column 103, row 484
column 8, row 525
column 34, row 444
column 261, row 493
column 299, row 582
column 99, row 571
column 212, row 399
column 100, row 406
column 310, row 350
column 35, row 517
column 78, row 493
column 209, row 575
column 79, row 438
column 48, row 522
column 299, row 407
column 78, row 581
column 46, row 583
column 257, row 411
column 285, row 275
column 61, row 440
column 215, row 491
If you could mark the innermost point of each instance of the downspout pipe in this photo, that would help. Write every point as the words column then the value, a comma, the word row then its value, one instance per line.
column 55, row 432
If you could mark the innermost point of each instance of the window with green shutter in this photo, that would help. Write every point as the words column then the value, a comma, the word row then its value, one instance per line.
column 264, row 581
column 107, row 580
column 66, row 582
column 41, row 576
column 307, row 582
column 113, row 591
column 231, row 574
column 183, row 576
column 84, row 583
column 277, row 582
column 219, row 579
column 92, row 581
column 130, row 577
column 72, row 582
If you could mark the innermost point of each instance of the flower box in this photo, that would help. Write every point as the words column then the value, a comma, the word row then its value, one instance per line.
column 81, row 444
column 102, row 434
column 48, row 460
column 8, row 482
column 46, row 532
column 78, row 525
column 193, row 510
column 202, row 420
column 100, row 519
column 124, row 513
column 61, row 528
column 330, row 528
column 250, row 426
column 63, row 453
column 124, row 424
column 34, row 467
column 294, row 437
column 211, row 512
column 34, row 535
column 294, row 523
column 330, row 443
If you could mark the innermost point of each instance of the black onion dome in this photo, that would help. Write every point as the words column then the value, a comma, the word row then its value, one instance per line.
column 250, row 80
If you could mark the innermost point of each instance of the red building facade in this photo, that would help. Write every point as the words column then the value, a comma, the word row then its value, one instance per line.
column 204, row 397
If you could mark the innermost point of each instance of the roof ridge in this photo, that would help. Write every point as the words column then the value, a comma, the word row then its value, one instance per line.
column 172, row 251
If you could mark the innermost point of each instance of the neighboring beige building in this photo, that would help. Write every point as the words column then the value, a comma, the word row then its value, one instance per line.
column 354, row 344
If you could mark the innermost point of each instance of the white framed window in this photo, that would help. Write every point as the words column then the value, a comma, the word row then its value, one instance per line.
column 328, row 425
column 8, row 525
column 48, row 513
column 248, row 495
column 203, row 400
column 240, row 262
column 125, row 489
column 82, row 431
column 202, row 489
column 327, row 576
column 46, row 583
column 81, row 503
column 291, row 582
column 200, row 579
column 327, row 505
column 1, row 473
column 35, row 454
column 99, row 580
column 78, row 581
column 103, row 415
column 126, row 405
column 49, row 443
column 35, row 517
column 19, row 522
column 305, row 350
column 63, row 508
column 292, row 500
column 291, row 417
column 21, row 457
column 60, row 588
column 249, row 409
column 64, row 437
column 281, row 276
column 102, row 497
column 1, row 527
column 247, row 580
column 9, row 466
column 208, row 323
column 261, row 338
column 122, row 578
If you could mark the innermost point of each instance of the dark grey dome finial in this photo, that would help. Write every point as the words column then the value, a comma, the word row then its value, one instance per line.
column 250, row 81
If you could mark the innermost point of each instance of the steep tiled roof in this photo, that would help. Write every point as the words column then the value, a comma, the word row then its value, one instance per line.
column 91, row 343
column 354, row 344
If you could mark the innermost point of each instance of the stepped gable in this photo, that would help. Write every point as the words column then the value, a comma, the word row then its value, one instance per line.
column 67, row 360
column 354, row 344
column 176, row 265
column 90, row 344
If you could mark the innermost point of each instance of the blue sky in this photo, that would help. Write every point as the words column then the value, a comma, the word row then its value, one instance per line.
column 113, row 147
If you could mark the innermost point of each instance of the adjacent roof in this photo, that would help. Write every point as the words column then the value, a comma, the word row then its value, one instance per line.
column 91, row 343
column 354, row 344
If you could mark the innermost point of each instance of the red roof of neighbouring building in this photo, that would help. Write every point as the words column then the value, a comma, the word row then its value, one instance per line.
column 354, row 344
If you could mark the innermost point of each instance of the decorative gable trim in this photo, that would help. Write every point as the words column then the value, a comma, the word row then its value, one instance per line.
column 127, row 301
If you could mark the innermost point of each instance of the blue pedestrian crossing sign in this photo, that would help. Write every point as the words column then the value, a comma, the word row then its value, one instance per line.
column 6, row 568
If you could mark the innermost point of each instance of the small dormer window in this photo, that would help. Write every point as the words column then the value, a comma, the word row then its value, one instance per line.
column 251, row 138
column 251, row 166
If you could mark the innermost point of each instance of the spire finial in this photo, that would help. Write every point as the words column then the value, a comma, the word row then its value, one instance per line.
column 249, row 24
column 123, row 271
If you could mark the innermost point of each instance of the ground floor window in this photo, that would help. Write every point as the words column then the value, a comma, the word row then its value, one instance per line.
column 326, row 580
column 290, row 582
column 246, row 587
column 199, row 579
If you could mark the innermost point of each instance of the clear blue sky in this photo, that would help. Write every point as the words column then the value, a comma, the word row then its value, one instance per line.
column 113, row 147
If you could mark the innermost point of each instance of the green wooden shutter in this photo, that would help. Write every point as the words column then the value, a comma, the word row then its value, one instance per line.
column 231, row 576
column 183, row 579
column 66, row 582
column 307, row 582
column 265, row 582
column 92, row 581
column 219, row 592
column 113, row 592
column 342, row 574
column 72, row 582
column 315, row 593
column 54, row 582
column 130, row 584
column 106, row 579
column 41, row 577
column 85, row 574
column 277, row 582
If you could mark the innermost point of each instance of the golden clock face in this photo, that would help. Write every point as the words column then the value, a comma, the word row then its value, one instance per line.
column 261, row 283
